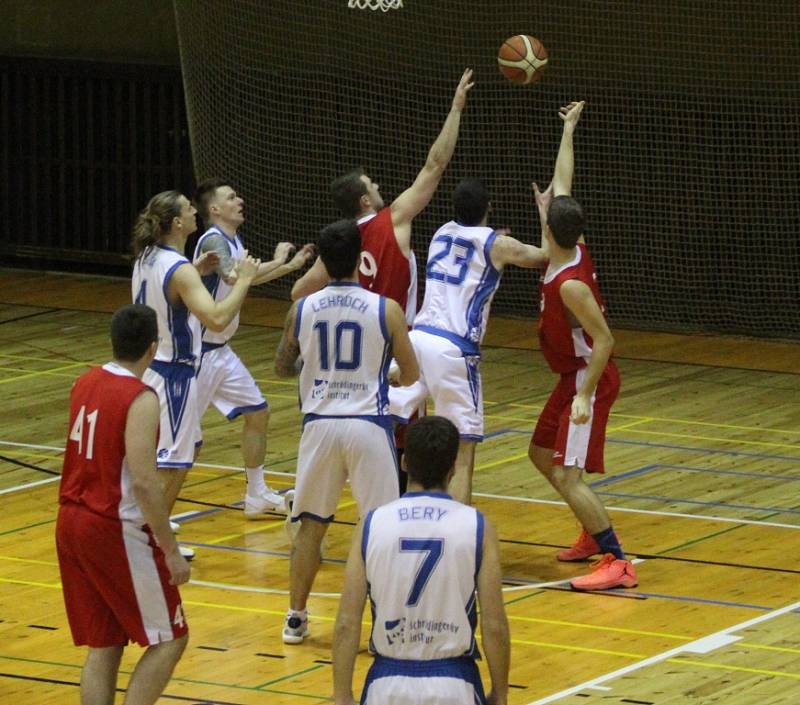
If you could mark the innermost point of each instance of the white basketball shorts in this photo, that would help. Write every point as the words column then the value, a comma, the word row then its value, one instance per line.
column 335, row 449
column 452, row 379
column 225, row 382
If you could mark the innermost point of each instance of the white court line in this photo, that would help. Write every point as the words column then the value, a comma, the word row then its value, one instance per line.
column 654, row 512
column 248, row 588
column 17, row 488
column 693, row 646
column 529, row 500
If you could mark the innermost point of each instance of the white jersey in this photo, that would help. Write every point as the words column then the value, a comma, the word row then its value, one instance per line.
column 422, row 555
column 216, row 285
column 460, row 281
column 179, row 331
column 346, row 350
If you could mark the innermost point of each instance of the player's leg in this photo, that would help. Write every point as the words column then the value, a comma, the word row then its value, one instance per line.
column 153, row 671
column 460, row 487
column 321, row 476
column 99, row 675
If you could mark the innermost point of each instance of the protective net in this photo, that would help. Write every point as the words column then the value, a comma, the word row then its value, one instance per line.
column 687, row 156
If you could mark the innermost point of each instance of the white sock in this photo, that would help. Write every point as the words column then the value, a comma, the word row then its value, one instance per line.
column 302, row 614
column 255, row 481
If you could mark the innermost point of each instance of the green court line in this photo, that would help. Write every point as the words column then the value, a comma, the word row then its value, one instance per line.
column 315, row 667
column 700, row 540
column 260, row 688
column 235, row 473
column 524, row 597
column 29, row 526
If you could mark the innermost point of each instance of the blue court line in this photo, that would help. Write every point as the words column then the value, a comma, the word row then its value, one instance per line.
column 694, row 449
column 701, row 600
column 658, row 498
column 616, row 477
column 738, row 473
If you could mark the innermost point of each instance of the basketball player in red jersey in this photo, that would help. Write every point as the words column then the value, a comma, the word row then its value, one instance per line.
column 388, row 266
column 577, row 344
column 119, row 584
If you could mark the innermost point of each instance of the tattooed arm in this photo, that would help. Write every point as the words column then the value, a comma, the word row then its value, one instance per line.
column 288, row 354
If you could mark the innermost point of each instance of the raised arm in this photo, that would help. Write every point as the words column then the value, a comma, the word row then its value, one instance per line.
column 407, row 371
column 494, row 623
column 543, row 200
column 214, row 315
column 414, row 199
column 347, row 632
column 281, row 264
column 580, row 301
column 141, row 434
column 313, row 280
column 509, row 250
column 289, row 348
column 565, row 162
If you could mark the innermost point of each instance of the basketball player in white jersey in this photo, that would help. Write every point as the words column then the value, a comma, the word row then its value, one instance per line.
column 166, row 281
column 465, row 262
column 346, row 337
column 421, row 559
column 223, row 380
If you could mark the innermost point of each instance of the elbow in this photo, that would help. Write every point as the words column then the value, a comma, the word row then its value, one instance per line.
column 216, row 325
column 407, row 378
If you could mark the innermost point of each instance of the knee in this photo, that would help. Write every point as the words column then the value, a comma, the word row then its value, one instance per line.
column 542, row 458
column 257, row 420
column 563, row 479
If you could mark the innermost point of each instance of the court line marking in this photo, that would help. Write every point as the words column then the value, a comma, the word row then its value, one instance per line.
column 30, row 375
column 16, row 488
column 666, row 655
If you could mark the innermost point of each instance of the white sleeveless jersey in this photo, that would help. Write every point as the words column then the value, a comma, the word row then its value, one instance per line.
column 460, row 281
column 217, row 287
column 346, row 350
column 422, row 555
column 179, row 331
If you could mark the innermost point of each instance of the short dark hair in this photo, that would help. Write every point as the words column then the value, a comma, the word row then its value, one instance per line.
column 339, row 247
column 471, row 201
column 347, row 191
column 566, row 221
column 134, row 329
column 431, row 449
column 204, row 194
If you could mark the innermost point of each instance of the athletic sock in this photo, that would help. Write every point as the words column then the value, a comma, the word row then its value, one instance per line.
column 301, row 614
column 255, row 481
column 609, row 543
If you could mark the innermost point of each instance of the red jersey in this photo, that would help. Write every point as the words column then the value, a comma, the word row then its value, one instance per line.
column 384, row 268
column 95, row 474
column 565, row 348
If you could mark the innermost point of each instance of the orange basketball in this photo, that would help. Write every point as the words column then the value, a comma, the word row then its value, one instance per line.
column 522, row 58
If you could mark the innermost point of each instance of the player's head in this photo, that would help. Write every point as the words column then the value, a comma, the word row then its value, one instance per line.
column 217, row 202
column 134, row 333
column 565, row 221
column 166, row 213
column 339, row 247
column 471, row 201
column 354, row 193
column 431, row 449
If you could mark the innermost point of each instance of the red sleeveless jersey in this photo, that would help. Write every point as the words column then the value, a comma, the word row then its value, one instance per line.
column 95, row 474
column 384, row 268
column 565, row 348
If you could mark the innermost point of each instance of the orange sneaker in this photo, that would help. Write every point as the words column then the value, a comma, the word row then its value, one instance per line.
column 609, row 572
column 583, row 548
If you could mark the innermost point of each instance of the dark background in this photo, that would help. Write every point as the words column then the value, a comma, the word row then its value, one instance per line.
column 686, row 158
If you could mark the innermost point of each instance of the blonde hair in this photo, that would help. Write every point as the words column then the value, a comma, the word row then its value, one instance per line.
column 155, row 221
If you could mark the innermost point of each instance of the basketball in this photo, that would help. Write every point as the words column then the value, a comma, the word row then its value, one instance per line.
column 522, row 58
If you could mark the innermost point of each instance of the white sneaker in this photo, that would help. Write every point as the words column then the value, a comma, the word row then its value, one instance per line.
column 295, row 629
column 268, row 502
column 186, row 552
column 174, row 526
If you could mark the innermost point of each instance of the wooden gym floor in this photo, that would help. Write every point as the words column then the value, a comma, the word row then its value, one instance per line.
column 703, row 463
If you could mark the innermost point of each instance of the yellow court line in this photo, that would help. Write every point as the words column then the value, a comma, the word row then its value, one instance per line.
column 3, row 368
column 27, row 560
column 30, row 454
column 728, row 667
column 42, row 372
column 276, row 525
column 44, row 359
column 582, row 649
column 626, row 426
column 783, row 649
column 581, row 625
column 278, row 382
column 31, row 583
column 256, row 610
column 687, row 436
column 502, row 461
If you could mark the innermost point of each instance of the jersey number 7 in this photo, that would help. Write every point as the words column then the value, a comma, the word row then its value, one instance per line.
column 433, row 549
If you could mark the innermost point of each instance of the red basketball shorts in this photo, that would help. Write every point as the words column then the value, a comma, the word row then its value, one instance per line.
column 577, row 445
column 115, row 582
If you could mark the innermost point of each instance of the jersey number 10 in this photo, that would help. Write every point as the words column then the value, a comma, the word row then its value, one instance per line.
column 346, row 345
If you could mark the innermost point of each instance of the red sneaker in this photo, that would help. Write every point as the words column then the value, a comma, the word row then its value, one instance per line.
column 583, row 548
column 609, row 572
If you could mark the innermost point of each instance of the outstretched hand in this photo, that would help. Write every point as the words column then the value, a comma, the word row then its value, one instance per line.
column 283, row 252
column 464, row 87
column 305, row 254
column 571, row 113
column 543, row 199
